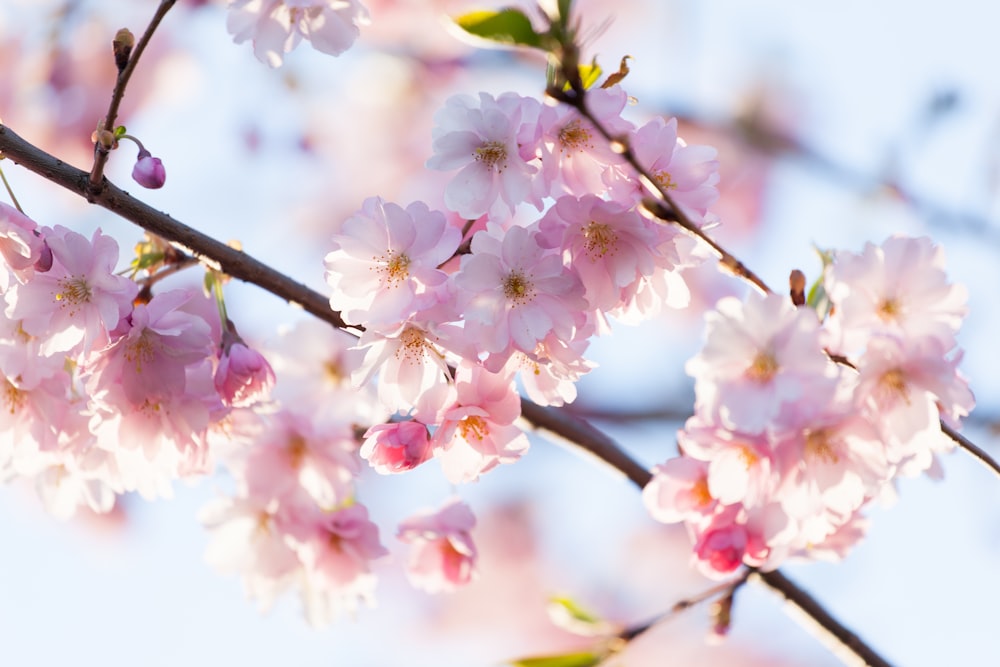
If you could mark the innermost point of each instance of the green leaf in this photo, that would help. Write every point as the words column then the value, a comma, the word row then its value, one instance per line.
column 568, row 615
column 565, row 660
column 506, row 26
column 120, row 132
column 817, row 298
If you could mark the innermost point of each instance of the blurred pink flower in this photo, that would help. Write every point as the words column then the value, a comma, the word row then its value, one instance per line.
column 443, row 556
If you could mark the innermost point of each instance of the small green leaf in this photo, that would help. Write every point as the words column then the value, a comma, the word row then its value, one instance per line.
column 568, row 615
column 817, row 298
column 565, row 6
column 120, row 132
column 506, row 26
column 566, row 660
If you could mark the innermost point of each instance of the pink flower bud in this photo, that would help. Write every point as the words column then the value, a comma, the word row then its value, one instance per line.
column 148, row 171
column 392, row 448
column 243, row 376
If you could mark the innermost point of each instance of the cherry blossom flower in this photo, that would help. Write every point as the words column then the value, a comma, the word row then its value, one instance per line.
column 336, row 550
column 574, row 155
column 79, row 300
column 610, row 247
column 678, row 491
column 277, row 26
column 293, row 451
column 383, row 266
column 149, row 358
column 514, row 294
column 249, row 535
column 492, row 141
column 442, row 556
column 898, row 288
column 408, row 362
column 688, row 173
column 477, row 431
column 761, row 361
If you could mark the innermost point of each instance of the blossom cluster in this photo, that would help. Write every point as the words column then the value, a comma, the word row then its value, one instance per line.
column 800, row 423
column 460, row 305
column 107, row 389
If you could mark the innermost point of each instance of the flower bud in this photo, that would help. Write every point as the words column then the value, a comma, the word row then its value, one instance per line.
column 122, row 45
column 148, row 171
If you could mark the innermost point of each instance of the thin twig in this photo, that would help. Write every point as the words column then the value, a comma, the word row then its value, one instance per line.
column 667, row 209
column 101, row 153
column 728, row 587
column 972, row 448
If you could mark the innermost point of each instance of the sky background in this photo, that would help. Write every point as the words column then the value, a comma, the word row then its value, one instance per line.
column 272, row 157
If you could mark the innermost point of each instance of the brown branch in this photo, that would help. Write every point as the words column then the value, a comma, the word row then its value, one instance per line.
column 846, row 645
column 213, row 253
column 101, row 152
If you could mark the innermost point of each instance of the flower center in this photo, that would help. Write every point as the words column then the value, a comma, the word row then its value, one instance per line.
column 297, row 450
column 12, row 396
column 748, row 456
column 518, row 288
column 493, row 154
column 888, row 310
column 820, row 447
column 395, row 268
column 75, row 290
column 665, row 180
column 574, row 137
column 893, row 384
column 700, row 492
column 473, row 428
column 599, row 239
column 140, row 350
column 764, row 368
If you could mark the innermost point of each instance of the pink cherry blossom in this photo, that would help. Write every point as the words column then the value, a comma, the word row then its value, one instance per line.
column 442, row 556
column 383, row 266
column 515, row 294
column 574, row 155
column 492, row 141
column 678, row 491
column 149, row 358
column 610, row 247
column 688, row 173
column 898, row 288
column 337, row 551
column 293, row 451
column 478, row 432
column 762, row 360
column 79, row 300
column 409, row 364
column 277, row 26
